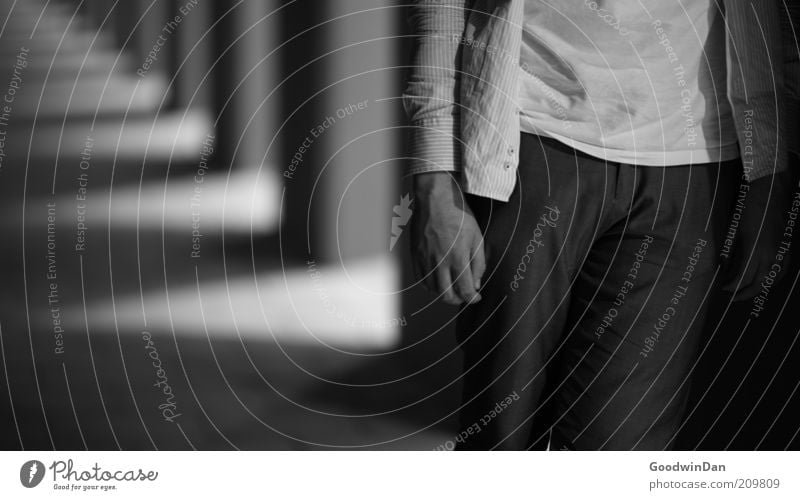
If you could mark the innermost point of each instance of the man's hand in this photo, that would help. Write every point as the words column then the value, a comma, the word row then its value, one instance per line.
column 760, row 232
column 446, row 242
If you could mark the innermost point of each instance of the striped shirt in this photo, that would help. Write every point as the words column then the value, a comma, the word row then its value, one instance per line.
column 462, row 91
column 790, row 29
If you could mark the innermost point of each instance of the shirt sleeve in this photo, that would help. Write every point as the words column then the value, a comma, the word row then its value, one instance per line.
column 755, row 84
column 790, row 25
column 430, row 97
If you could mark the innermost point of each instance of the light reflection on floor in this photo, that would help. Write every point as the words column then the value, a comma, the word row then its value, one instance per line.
column 293, row 305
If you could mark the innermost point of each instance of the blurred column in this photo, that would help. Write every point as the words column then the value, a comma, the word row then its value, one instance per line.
column 245, row 119
column 241, row 81
column 191, row 53
column 156, row 15
column 123, row 20
column 151, row 16
column 96, row 11
column 355, row 195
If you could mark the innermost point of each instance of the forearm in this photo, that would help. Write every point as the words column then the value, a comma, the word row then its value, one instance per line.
column 431, row 92
column 755, row 84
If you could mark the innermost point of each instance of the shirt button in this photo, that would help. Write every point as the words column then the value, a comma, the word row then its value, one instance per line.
column 507, row 166
column 510, row 151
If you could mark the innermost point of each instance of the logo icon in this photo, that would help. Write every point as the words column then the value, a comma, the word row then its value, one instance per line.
column 31, row 473
column 400, row 219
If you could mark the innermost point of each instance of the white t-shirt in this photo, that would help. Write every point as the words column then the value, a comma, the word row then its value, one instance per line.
column 630, row 81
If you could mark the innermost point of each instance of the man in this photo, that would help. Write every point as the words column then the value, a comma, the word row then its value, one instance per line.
column 736, row 390
column 574, row 165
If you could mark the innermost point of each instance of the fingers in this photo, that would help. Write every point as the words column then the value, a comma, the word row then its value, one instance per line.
column 761, row 273
column 741, row 278
column 444, row 286
column 466, row 275
column 751, row 283
column 464, row 284
column 743, row 283
column 747, row 291
column 740, row 271
column 733, row 272
column 452, row 279
column 448, row 254
column 729, row 272
column 456, row 284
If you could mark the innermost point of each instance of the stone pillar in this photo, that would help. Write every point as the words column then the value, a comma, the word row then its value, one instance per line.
column 357, row 119
column 245, row 117
column 191, row 54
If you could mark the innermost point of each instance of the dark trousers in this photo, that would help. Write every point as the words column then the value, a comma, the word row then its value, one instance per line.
column 597, row 281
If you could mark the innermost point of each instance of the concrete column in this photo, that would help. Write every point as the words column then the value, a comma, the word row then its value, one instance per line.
column 245, row 111
column 151, row 27
column 242, row 81
column 96, row 10
column 151, row 16
column 357, row 190
column 191, row 53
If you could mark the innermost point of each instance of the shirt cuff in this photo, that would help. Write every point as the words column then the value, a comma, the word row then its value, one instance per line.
column 761, row 126
column 434, row 146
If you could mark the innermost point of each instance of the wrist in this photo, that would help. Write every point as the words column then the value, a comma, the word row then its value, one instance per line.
column 439, row 184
